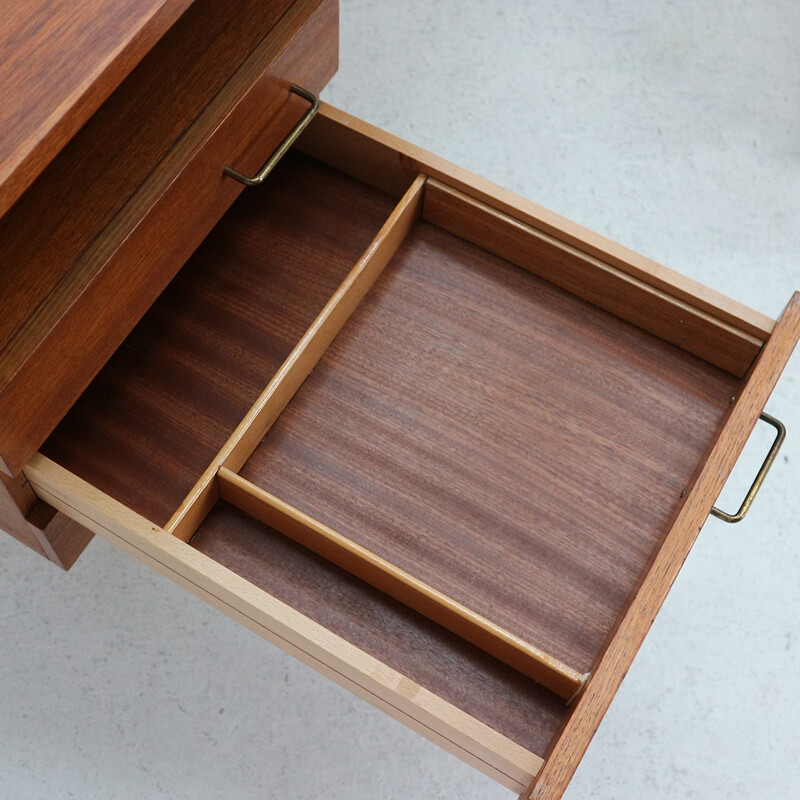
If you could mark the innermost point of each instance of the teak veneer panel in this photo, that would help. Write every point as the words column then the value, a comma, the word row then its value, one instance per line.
column 386, row 629
column 152, row 420
column 499, row 439
column 108, row 160
column 59, row 60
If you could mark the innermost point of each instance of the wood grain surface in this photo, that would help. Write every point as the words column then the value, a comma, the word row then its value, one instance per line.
column 156, row 415
column 611, row 288
column 404, row 640
column 61, row 347
column 688, row 519
column 496, row 437
column 59, row 60
column 100, row 169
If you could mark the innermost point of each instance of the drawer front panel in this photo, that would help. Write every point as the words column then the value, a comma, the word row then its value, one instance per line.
column 106, row 162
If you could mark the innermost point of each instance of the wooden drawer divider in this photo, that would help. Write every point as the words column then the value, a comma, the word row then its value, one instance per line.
column 303, row 358
column 627, row 296
column 222, row 481
column 476, row 629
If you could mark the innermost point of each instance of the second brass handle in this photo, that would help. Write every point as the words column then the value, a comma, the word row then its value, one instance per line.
column 289, row 140
column 762, row 473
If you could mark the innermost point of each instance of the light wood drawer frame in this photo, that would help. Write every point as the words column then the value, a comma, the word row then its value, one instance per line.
column 709, row 325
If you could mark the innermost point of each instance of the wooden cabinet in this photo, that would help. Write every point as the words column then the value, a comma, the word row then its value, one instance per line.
column 434, row 440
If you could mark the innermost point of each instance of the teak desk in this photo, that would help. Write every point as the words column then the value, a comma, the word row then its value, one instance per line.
column 436, row 441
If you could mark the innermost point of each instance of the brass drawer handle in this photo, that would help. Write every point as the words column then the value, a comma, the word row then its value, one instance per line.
column 290, row 139
column 762, row 473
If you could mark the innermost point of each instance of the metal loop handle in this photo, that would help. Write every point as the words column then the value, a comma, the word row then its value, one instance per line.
column 762, row 473
column 290, row 139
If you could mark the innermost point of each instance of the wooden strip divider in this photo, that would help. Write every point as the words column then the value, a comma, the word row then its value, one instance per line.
column 387, row 162
column 285, row 383
column 338, row 549
column 632, row 298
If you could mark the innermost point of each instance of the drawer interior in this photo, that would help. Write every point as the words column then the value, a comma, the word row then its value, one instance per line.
column 352, row 398
column 498, row 438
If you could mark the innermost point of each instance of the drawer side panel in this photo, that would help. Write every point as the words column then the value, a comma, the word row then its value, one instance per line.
column 592, row 705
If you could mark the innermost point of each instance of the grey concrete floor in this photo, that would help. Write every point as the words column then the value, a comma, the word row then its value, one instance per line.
column 672, row 127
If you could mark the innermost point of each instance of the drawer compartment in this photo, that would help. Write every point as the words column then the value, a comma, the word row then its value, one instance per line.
column 440, row 444
column 467, row 418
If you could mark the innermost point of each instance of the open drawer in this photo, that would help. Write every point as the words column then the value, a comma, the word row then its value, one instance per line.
column 440, row 444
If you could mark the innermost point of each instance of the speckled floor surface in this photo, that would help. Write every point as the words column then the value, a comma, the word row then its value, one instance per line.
column 672, row 127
